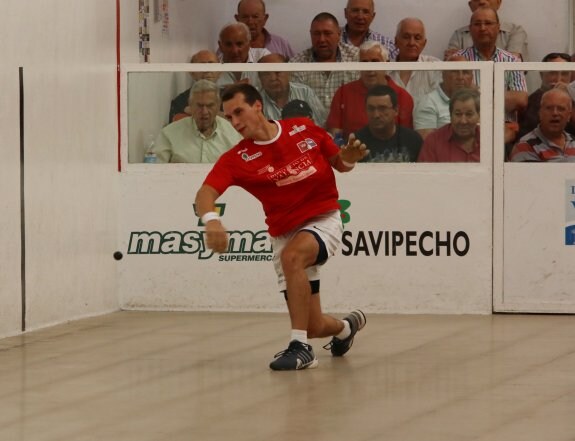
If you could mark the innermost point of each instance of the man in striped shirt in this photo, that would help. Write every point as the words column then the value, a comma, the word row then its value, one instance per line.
column 548, row 142
column 484, row 28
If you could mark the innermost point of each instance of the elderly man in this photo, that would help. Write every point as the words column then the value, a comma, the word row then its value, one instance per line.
column 457, row 141
column 484, row 27
column 326, row 48
column 359, row 14
column 347, row 110
column 385, row 140
column 179, row 103
column 510, row 37
column 529, row 119
column 234, row 47
column 549, row 142
column 253, row 14
column 410, row 40
column 277, row 90
column 204, row 136
column 432, row 110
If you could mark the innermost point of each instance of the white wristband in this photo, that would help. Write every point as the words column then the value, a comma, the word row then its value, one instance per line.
column 348, row 164
column 210, row 216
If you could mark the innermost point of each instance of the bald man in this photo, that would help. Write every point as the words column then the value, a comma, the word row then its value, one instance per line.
column 253, row 14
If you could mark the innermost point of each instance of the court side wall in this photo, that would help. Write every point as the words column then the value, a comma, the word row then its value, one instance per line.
column 67, row 50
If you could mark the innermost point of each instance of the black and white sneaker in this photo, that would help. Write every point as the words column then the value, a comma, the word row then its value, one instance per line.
column 356, row 321
column 298, row 355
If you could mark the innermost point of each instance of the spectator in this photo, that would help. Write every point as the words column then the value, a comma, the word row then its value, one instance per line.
column 347, row 111
column 297, row 109
column 326, row 48
column 510, row 37
column 548, row 142
column 385, row 140
column 484, row 27
column 234, row 47
column 529, row 119
column 410, row 40
column 457, row 141
column 253, row 14
column 179, row 103
column 204, row 136
column 277, row 90
column 359, row 15
column 432, row 110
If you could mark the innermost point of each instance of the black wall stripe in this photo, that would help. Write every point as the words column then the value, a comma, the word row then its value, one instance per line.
column 22, row 204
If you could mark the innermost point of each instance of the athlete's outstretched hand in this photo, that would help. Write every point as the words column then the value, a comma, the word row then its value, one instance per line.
column 354, row 150
column 216, row 236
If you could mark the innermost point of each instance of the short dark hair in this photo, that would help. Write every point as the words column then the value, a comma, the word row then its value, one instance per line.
column 553, row 55
column 381, row 90
column 250, row 93
column 465, row 94
column 323, row 16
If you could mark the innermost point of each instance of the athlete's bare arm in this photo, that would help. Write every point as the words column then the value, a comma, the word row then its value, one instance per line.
column 216, row 235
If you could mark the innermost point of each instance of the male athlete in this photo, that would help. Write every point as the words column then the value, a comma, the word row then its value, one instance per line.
column 287, row 166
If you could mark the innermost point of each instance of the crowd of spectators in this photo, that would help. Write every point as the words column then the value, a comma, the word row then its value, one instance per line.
column 402, row 116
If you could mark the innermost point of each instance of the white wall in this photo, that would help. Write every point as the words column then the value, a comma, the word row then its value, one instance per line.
column 67, row 49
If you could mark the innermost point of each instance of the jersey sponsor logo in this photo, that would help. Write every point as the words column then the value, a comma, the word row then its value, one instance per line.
column 267, row 169
column 295, row 171
column 297, row 129
column 249, row 158
column 306, row 144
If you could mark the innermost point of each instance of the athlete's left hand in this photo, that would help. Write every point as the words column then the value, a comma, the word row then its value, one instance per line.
column 354, row 150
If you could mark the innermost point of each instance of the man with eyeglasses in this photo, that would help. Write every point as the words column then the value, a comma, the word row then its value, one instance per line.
column 484, row 26
column 549, row 79
column 326, row 47
column 548, row 142
column 253, row 14
column 386, row 140
column 511, row 37
column 359, row 15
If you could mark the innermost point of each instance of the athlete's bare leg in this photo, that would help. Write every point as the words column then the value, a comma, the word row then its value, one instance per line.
column 305, row 308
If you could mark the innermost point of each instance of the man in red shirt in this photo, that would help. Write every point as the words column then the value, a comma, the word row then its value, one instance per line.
column 287, row 165
column 457, row 141
column 347, row 111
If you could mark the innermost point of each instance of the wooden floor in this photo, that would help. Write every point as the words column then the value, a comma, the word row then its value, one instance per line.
column 154, row 376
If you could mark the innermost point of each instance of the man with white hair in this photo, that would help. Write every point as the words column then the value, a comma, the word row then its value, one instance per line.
column 548, row 142
column 234, row 47
column 347, row 111
column 410, row 40
column 204, row 136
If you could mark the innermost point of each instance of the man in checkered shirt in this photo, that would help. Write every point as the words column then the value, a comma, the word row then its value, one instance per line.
column 326, row 48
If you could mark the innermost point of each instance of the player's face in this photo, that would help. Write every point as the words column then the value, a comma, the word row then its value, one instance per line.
column 464, row 119
column 324, row 39
column 371, row 78
column 204, row 109
column 554, row 113
column 245, row 118
column 359, row 15
column 234, row 45
column 410, row 40
column 380, row 112
column 252, row 13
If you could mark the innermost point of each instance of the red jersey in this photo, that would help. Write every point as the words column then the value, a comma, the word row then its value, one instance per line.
column 290, row 174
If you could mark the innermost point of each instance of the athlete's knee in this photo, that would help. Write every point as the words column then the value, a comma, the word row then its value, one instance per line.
column 291, row 260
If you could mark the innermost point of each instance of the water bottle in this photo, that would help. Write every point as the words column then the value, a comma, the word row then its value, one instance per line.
column 150, row 156
column 338, row 139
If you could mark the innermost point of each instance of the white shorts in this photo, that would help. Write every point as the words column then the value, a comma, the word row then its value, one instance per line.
column 327, row 227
